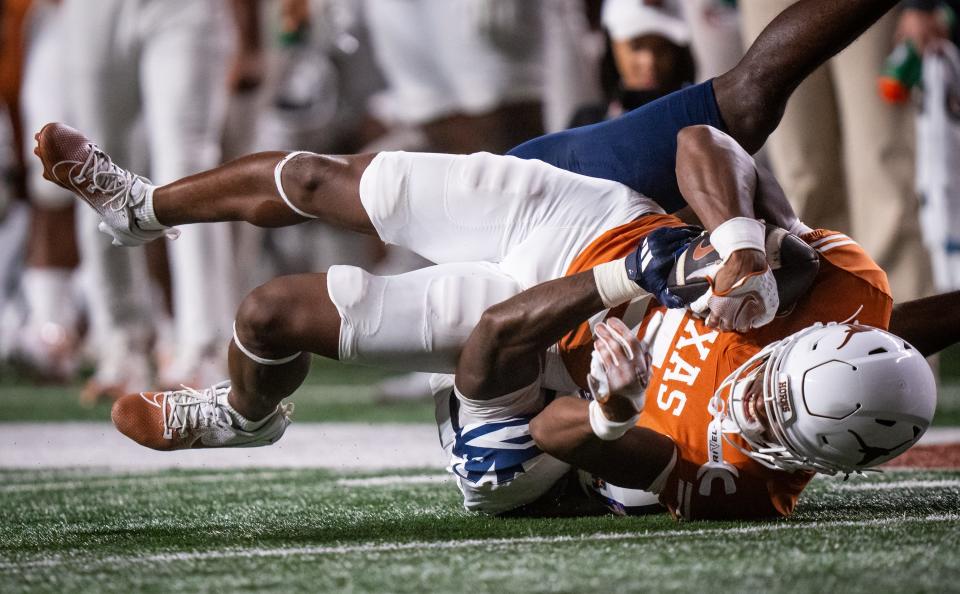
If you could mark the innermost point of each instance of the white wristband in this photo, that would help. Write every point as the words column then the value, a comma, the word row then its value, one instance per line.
column 613, row 284
column 606, row 429
column 739, row 233
column 798, row 228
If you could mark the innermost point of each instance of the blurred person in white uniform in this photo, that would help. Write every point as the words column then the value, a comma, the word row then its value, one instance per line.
column 13, row 212
column 167, row 62
column 468, row 72
column 48, row 343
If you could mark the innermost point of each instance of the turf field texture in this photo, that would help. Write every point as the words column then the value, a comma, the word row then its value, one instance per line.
column 403, row 529
column 310, row 530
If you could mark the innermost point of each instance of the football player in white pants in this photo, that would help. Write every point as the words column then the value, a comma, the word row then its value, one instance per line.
column 172, row 59
column 495, row 224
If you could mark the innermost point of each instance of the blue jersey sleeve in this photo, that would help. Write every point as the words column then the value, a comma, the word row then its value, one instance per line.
column 637, row 149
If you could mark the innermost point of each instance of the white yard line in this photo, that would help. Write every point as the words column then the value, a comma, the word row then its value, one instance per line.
column 132, row 481
column 941, row 435
column 910, row 484
column 382, row 481
column 213, row 477
column 381, row 547
column 334, row 446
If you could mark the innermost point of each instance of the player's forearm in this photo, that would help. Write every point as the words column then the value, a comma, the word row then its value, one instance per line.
column 930, row 324
column 772, row 206
column 541, row 315
column 716, row 176
column 503, row 351
column 633, row 461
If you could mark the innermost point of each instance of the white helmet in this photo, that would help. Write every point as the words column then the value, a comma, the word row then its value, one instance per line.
column 839, row 398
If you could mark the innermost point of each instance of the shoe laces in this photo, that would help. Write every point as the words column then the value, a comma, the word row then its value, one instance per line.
column 189, row 409
column 106, row 177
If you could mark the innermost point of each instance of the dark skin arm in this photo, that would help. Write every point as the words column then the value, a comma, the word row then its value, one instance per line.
column 503, row 354
column 563, row 430
column 719, row 181
column 930, row 324
column 710, row 163
column 505, row 349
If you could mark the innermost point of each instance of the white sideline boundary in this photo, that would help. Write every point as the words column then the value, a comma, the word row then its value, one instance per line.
column 330, row 446
column 894, row 485
column 158, row 481
column 416, row 546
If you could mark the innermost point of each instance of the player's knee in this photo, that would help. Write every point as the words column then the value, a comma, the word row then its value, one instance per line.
column 307, row 180
column 265, row 315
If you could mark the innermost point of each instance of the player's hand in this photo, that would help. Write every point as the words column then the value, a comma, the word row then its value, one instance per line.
column 650, row 265
column 620, row 368
column 742, row 294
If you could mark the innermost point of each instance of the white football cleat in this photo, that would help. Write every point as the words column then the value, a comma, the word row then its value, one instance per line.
column 74, row 162
column 188, row 418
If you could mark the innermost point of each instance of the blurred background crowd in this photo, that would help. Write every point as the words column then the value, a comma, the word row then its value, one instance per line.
column 172, row 87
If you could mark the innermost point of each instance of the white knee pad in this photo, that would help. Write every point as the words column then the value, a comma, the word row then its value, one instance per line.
column 417, row 321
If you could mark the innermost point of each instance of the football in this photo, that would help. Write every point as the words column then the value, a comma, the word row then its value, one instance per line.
column 794, row 263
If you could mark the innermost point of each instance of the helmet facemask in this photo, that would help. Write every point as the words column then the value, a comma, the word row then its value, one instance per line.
column 810, row 422
column 755, row 379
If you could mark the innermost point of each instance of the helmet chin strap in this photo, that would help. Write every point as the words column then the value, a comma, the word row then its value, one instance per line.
column 726, row 422
column 715, row 430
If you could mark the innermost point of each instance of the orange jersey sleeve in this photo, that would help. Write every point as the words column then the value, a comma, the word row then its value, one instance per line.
column 849, row 285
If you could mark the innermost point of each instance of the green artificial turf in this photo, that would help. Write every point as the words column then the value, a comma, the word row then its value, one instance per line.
column 225, row 531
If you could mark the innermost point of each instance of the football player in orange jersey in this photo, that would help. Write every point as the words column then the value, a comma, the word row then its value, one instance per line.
column 716, row 424
column 495, row 225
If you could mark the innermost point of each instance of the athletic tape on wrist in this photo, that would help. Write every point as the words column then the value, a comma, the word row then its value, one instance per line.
column 606, row 429
column 613, row 284
column 739, row 233
column 258, row 359
column 798, row 228
column 276, row 177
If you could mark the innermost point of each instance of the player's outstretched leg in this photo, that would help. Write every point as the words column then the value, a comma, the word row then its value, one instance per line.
column 277, row 326
column 271, row 189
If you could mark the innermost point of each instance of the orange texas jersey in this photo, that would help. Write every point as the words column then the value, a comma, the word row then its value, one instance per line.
column 690, row 361
column 575, row 347
column 693, row 360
